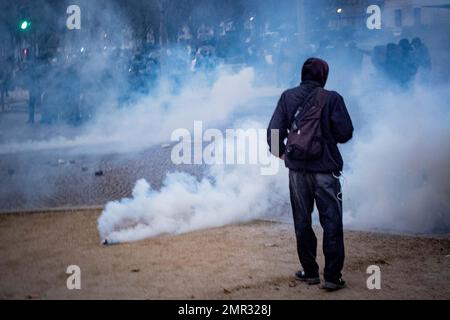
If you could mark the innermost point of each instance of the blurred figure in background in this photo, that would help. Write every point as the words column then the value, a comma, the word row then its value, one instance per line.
column 34, row 72
column 420, row 54
column 53, row 91
column 408, row 69
column 150, row 42
column 205, row 34
column 70, row 95
column 393, row 62
column 205, row 60
column 184, row 36
column 6, row 75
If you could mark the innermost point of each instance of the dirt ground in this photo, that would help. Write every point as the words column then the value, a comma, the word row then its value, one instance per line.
column 250, row 261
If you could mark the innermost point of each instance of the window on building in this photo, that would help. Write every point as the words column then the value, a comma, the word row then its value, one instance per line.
column 398, row 18
column 417, row 16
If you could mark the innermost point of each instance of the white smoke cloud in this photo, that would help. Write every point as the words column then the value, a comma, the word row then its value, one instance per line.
column 399, row 169
column 224, row 196
column 398, row 174
column 152, row 119
column 397, row 180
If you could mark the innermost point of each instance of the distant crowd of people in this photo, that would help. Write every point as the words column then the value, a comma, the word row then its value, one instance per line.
column 69, row 86
column 401, row 62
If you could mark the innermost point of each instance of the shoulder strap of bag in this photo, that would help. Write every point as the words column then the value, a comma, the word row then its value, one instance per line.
column 303, row 109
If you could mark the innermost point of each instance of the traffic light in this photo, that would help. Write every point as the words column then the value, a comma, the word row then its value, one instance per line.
column 25, row 24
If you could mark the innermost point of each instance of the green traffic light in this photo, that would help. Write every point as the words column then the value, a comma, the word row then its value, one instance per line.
column 25, row 25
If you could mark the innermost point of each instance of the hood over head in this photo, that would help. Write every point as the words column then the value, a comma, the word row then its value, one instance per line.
column 315, row 69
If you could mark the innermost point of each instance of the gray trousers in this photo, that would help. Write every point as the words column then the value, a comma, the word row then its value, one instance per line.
column 323, row 189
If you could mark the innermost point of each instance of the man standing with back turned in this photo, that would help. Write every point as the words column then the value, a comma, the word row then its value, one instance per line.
column 305, row 129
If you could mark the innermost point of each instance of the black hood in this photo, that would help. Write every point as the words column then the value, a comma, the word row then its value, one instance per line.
column 317, row 70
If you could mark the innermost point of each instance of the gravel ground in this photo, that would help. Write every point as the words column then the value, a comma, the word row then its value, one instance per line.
column 53, row 179
column 70, row 178
column 65, row 178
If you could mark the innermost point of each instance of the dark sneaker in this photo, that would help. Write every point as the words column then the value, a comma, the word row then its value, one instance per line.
column 301, row 276
column 334, row 286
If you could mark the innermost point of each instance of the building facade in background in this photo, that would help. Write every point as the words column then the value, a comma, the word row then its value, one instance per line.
column 401, row 14
column 399, row 17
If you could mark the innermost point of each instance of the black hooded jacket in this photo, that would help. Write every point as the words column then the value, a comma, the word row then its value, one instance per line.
column 336, row 123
